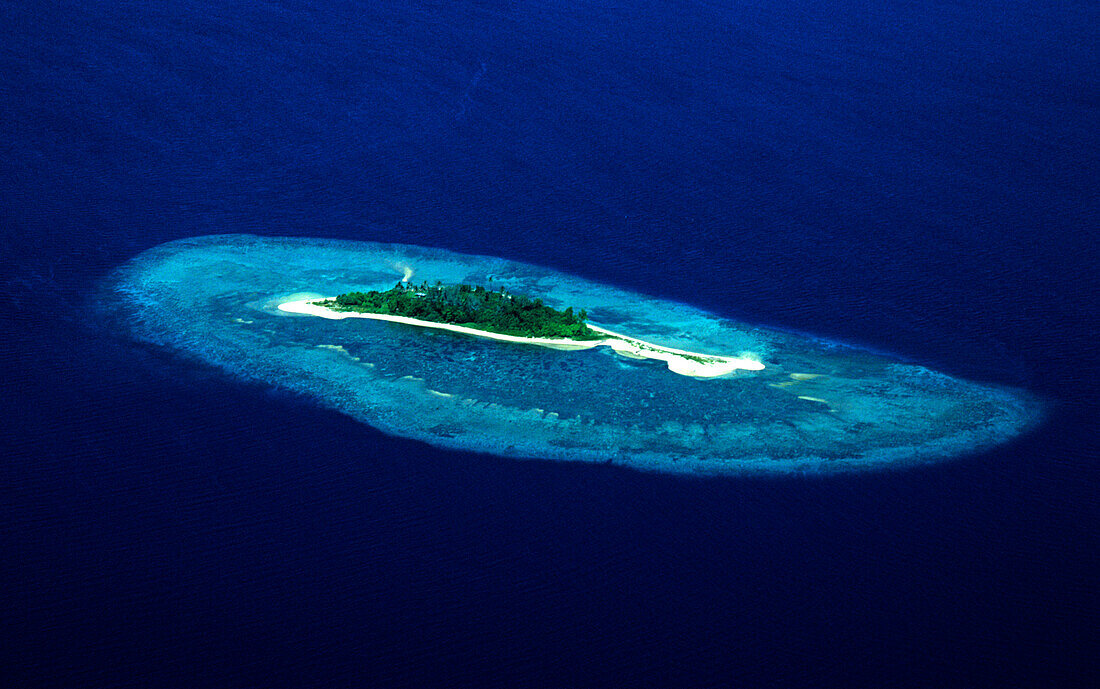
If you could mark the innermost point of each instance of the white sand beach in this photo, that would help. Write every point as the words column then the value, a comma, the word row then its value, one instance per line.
column 679, row 361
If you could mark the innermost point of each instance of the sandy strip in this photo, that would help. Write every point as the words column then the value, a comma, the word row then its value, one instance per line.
column 677, row 359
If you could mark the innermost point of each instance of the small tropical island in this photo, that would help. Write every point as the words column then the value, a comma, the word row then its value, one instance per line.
column 265, row 309
column 500, row 315
column 472, row 306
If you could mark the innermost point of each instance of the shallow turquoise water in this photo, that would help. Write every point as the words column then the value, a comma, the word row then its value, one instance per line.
column 816, row 406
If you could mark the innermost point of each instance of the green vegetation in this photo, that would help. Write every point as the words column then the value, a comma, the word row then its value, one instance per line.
column 470, row 306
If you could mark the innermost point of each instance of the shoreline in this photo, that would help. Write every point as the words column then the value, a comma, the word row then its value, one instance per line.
column 678, row 361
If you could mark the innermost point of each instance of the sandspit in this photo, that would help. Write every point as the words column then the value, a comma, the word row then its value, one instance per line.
column 678, row 361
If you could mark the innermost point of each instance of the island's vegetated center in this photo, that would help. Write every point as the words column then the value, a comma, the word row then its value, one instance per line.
column 472, row 306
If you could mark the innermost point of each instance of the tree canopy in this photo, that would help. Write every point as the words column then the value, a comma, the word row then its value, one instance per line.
column 472, row 306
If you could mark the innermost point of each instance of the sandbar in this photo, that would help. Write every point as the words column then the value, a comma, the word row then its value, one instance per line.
column 679, row 361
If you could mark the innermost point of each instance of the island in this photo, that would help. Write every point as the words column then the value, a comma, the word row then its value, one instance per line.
column 491, row 371
column 501, row 315
column 473, row 306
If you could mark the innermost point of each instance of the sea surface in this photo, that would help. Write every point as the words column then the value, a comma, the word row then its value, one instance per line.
column 918, row 178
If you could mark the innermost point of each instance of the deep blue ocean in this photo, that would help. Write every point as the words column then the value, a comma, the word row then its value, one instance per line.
column 919, row 177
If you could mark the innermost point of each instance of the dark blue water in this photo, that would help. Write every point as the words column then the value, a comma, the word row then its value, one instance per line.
column 919, row 177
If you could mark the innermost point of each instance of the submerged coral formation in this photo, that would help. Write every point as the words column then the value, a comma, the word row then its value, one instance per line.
column 815, row 406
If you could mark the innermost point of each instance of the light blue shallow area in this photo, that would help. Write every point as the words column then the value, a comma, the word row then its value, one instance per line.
column 816, row 405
